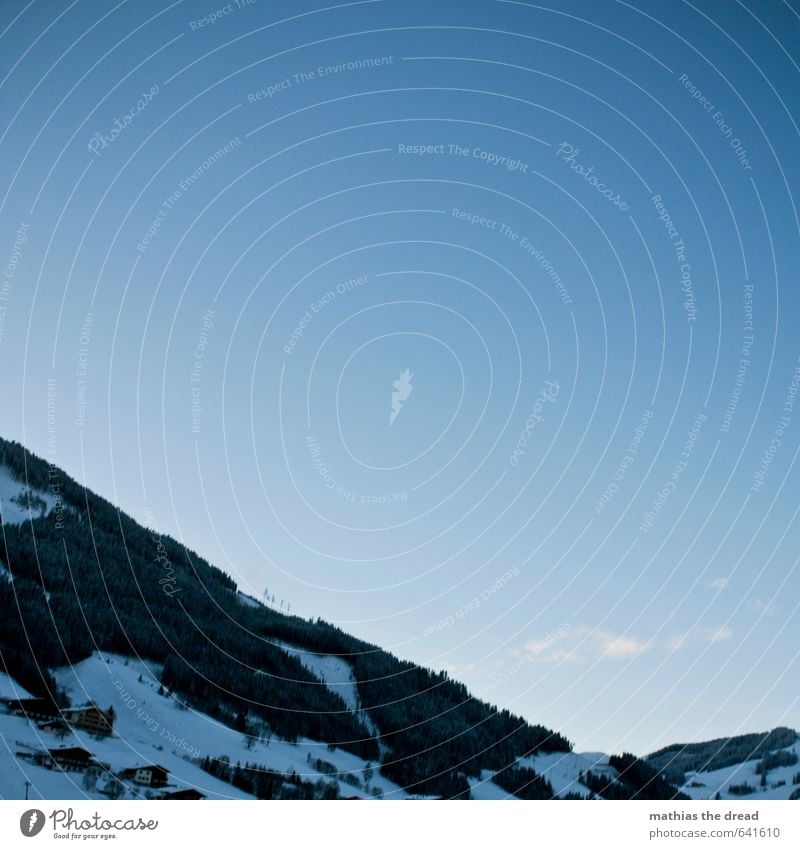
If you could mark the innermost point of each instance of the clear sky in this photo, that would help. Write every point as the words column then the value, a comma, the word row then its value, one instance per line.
column 470, row 327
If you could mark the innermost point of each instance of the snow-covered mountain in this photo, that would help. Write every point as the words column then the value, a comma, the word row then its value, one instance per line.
column 207, row 691
column 154, row 727
column 750, row 766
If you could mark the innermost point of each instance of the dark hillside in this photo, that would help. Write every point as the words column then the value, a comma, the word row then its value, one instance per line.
column 92, row 578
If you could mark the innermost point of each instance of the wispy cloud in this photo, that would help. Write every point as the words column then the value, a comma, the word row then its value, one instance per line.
column 763, row 608
column 583, row 643
column 612, row 645
column 720, row 583
column 577, row 645
column 699, row 635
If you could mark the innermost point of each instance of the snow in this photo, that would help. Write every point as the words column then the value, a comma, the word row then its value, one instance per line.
column 247, row 600
column 156, row 729
column 483, row 789
column 334, row 672
column 719, row 780
column 142, row 718
column 14, row 514
column 9, row 689
column 562, row 769
column 337, row 675
column 153, row 728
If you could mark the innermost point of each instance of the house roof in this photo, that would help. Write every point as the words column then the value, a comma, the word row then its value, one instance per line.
column 147, row 766
column 31, row 704
column 72, row 752
column 186, row 793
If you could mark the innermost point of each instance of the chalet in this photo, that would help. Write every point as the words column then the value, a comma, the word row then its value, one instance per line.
column 151, row 775
column 37, row 709
column 56, row 726
column 188, row 793
column 39, row 757
column 68, row 759
column 72, row 758
column 91, row 718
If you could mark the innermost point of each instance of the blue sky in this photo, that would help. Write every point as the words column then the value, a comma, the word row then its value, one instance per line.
column 567, row 223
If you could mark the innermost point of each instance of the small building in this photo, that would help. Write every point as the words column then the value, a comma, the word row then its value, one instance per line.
column 56, row 726
column 71, row 759
column 67, row 758
column 91, row 718
column 40, row 757
column 37, row 709
column 150, row 775
column 189, row 793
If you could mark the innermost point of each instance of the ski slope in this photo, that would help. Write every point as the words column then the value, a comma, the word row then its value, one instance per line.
column 11, row 512
column 156, row 729
column 337, row 675
column 562, row 769
column 334, row 672
column 708, row 784
column 483, row 789
column 9, row 689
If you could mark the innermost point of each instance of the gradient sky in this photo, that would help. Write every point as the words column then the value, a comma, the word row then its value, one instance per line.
column 429, row 535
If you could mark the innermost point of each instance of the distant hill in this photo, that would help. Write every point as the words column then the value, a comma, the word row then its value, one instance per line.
column 762, row 765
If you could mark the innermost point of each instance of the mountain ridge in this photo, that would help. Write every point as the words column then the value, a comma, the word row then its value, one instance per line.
column 144, row 595
column 221, row 655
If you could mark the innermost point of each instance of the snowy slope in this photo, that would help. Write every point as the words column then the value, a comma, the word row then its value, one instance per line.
column 562, row 769
column 17, row 734
column 153, row 728
column 718, row 781
column 334, row 672
column 338, row 677
column 11, row 512
column 135, row 742
column 483, row 789
column 247, row 600
column 9, row 689
column 156, row 729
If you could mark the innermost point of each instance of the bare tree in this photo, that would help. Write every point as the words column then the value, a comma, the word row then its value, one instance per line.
column 90, row 779
column 114, row 789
